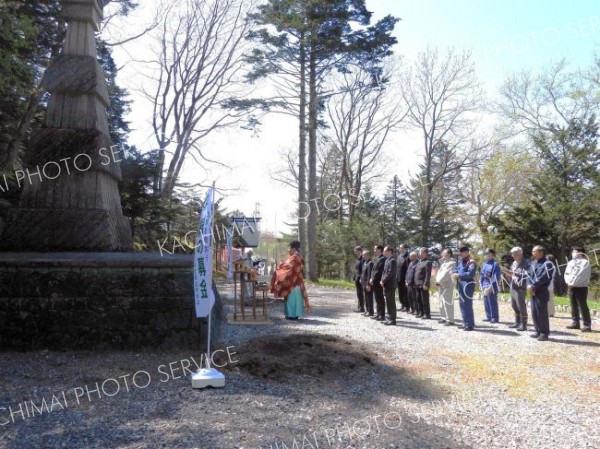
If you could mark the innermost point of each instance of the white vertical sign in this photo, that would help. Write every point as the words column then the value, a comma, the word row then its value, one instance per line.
column 203, row 293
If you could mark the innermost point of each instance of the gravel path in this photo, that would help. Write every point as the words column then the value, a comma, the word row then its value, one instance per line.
column 430, row 387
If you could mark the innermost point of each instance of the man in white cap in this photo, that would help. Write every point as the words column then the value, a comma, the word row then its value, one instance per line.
column 518, row 288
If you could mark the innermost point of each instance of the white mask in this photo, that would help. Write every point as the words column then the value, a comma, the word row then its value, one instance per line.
column 574, row 254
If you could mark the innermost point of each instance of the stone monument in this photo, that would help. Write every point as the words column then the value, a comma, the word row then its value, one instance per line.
column 70, row 199
column 69, row 278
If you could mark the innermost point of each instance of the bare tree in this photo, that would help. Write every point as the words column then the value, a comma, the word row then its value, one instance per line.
column 285, row 171
column 116, row 26
column 594, row 73
column 198, row 70
column 362, row 114
column 443, row 95
column 532, row 103
column 496, row 184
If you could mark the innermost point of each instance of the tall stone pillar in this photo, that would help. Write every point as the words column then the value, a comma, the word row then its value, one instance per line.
column 80, row 209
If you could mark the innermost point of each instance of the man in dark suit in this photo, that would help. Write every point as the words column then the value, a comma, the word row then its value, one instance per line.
column 401, row 268
column 357, row 274
column 422, row 278
column 413, row 260
column 375, row 283
column 364, row 281
column 388, row 282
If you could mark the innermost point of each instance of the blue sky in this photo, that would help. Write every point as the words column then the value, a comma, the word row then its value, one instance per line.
column 505, row 37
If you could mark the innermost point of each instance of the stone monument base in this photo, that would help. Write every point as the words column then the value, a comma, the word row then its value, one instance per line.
column 65, row 230
column 66, row 301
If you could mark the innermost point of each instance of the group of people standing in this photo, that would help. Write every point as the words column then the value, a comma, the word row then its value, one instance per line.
column 377, row 281
column 378, row 278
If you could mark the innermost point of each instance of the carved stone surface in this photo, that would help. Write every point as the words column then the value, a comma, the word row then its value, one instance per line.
column 51, row 144
column 74, row 229
column 76, row 75
column 61, row 207
column 84, row 10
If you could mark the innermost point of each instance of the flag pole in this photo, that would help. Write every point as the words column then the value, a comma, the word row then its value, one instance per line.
column 212, row 236
column 209, row 377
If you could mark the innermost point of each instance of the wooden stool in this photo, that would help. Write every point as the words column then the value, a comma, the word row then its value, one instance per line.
column 265, row 299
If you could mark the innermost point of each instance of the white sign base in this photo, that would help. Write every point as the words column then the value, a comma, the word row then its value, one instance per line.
column 208, row 378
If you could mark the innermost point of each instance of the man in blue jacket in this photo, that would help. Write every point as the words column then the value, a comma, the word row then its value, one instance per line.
column 465, row 274
column 489, row 280
column 540, row 276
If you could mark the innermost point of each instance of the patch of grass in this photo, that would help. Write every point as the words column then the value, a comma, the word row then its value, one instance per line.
column 563, row 301
column 519, row 374
column 337, row 283
column 512, row 374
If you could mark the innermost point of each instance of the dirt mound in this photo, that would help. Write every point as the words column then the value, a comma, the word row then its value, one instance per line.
column 322, row 356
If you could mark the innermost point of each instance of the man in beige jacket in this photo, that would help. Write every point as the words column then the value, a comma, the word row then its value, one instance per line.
column 445, row 285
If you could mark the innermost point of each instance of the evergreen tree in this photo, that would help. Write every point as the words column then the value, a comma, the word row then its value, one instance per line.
column 32, row 35
column 433, row 201
column 564, row 199
column 313, row 38
column 394, row 209
column 119, row 105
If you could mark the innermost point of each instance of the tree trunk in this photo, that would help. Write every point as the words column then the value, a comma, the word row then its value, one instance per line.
column 485, row 235
column 426, row 214
column 302, row 208
column 158, row 173
column 313, row 272
column 16, row 144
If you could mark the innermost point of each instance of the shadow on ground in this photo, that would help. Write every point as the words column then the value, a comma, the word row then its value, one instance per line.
column 279, row 384
column 330, row 360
